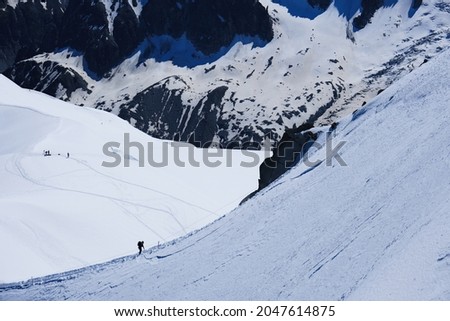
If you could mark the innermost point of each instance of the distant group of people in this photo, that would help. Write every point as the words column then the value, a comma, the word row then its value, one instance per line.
column 48, row 153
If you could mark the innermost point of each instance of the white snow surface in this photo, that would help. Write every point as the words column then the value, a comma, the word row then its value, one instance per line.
column 59, row 213
column 377, row 229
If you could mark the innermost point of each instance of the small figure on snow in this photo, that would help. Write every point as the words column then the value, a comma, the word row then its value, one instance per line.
column 68, row 155
column 140, row 246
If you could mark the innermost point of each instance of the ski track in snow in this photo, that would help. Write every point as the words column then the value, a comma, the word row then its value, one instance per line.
column 139, row 186
column 116, row 199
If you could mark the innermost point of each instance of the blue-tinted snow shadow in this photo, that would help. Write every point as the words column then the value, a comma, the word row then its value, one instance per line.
column 412, row 11
column 181, row 52
column 389, row 3
column 346, row 8
column 300, row 8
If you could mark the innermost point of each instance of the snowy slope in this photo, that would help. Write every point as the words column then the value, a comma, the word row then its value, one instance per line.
column 375, row 229
column 59, row 213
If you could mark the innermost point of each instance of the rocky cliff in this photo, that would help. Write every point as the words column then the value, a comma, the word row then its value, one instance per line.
column 106, row 32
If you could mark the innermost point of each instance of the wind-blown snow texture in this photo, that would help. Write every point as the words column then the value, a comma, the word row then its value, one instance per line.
column 376, row 229
column 59, row 213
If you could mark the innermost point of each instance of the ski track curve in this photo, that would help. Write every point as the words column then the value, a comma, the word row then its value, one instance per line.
column 24, row 174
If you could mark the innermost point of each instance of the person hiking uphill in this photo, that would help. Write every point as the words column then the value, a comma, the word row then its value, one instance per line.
column 140, row 245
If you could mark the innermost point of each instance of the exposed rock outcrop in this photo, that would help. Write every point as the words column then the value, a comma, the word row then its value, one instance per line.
column 290, row 149
column 48, row 77
column 28, row 29
column 177, row 121
column 369, row 7
column 106, row 39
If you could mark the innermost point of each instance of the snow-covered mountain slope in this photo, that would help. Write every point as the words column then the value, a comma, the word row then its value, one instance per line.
column 59, row 213
column 317, row 67
column 375, row 229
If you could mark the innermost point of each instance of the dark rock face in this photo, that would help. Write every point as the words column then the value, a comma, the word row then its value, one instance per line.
column 292, row 146
column 209, row 25
column 48, row 77
column 83, row 25
column 127, row 33
column 27, row 30
column 291, row 149
column 369, row 7
column 175, row 120
column 85, row 28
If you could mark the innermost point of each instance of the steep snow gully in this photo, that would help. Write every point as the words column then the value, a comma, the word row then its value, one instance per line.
column 376, row 229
